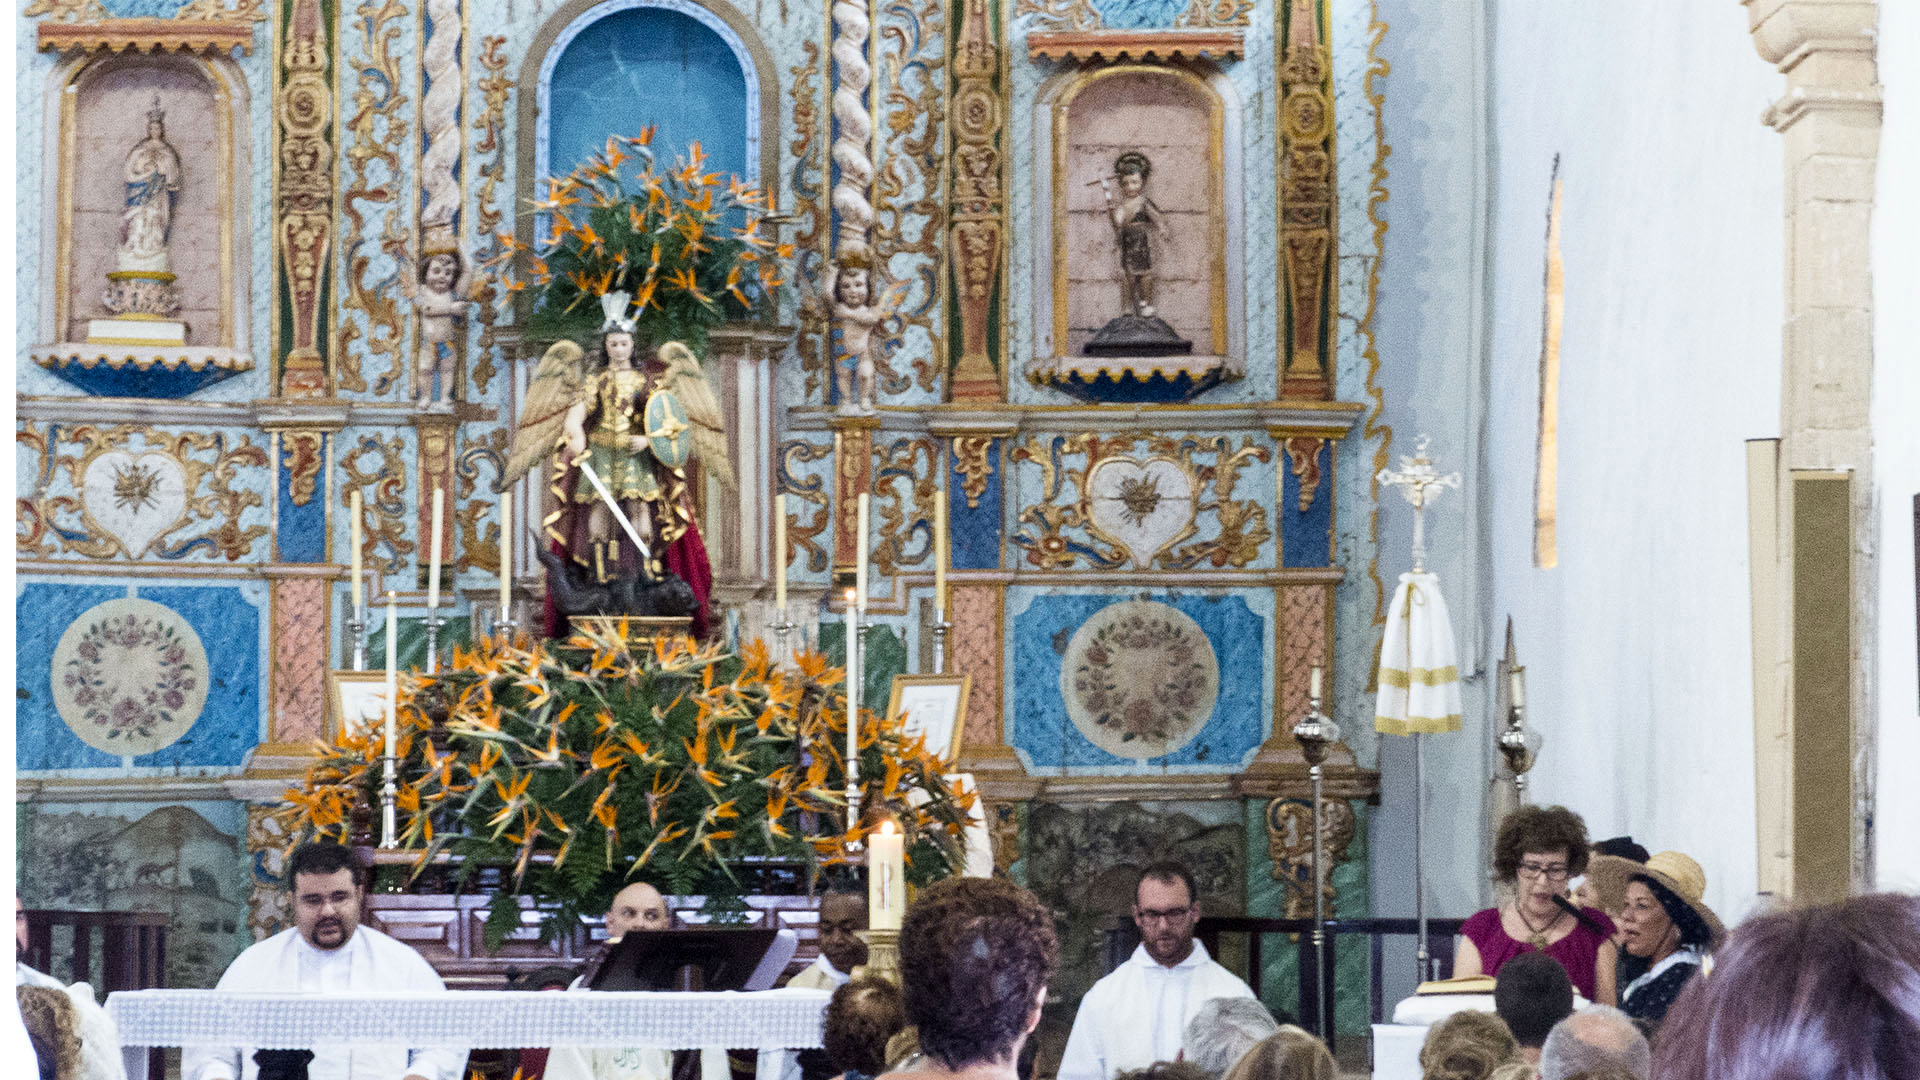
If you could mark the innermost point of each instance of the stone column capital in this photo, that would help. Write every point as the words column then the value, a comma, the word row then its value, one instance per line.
column 1786, row 31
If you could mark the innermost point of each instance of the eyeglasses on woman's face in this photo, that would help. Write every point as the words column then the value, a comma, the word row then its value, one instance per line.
column 1549, row 871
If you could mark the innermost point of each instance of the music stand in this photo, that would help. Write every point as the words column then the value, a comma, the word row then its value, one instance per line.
column 692, row 959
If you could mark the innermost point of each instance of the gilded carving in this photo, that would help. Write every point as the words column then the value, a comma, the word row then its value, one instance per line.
column 489, row 151
column 1003, row 822
column 305, row 229
column 218, row 11
column 68, row 11
column 908, row 199
column 267, row 845
column 972, row 461
column 1060, row 14
column 479, row 548
column 1303, row 453
column 1147, row 506
column 808, row 168
column 804, row 533
column 853, row 474
column 978, row 209
column 383, row 492
column 903, row 494
column 1290, row 844
column 374, row 132
column 1306, row 239
column 128, row 500
column 302, row 458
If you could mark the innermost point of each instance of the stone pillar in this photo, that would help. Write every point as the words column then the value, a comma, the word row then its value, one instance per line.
column 1830, row 119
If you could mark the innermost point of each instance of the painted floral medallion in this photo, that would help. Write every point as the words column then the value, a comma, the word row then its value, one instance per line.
column 129, row 677
column 1140, row 679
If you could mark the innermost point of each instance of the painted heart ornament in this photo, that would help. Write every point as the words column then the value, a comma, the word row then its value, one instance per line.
column 1143, row 506
column 135, row 498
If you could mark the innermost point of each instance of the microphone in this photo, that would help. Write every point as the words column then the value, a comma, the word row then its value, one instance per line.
column 1586, row 920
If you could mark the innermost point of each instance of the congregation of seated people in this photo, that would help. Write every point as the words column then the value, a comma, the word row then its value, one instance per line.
column 1636, row 979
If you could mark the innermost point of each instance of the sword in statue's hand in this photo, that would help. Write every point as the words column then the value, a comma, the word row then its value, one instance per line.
column 619, row 515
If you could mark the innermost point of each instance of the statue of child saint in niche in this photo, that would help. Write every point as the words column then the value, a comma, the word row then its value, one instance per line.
column 1136, row 222
column 856, row 311
column 440, row 299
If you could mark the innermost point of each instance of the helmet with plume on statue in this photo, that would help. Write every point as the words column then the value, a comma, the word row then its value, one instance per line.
column 613, row 306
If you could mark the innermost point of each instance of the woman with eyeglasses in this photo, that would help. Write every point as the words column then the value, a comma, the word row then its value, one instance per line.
column 1537, row 850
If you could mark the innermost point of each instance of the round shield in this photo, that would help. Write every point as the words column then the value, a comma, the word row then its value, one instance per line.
column 669, row 434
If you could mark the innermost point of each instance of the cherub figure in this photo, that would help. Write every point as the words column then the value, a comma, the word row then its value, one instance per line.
column 856, row 311
column 1136, row 221
column 440, row 299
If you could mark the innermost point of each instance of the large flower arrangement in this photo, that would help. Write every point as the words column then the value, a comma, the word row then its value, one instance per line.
column 580, row 767
column 684, row 244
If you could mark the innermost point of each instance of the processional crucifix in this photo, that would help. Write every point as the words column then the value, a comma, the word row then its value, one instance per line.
column 1420, row 482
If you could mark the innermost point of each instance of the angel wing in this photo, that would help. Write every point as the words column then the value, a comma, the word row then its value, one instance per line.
column 557, row 385
column 688, row 383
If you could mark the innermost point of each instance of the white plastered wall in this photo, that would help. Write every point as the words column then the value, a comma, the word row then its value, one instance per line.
column 1636, row 644
column 1896, row 450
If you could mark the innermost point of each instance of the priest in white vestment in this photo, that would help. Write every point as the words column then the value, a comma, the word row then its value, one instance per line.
column 639, row 906
column 843, row 915
column 329, row 952
column 1138, row 1013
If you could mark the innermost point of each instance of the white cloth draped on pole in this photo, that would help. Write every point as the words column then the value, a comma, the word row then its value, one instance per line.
column 1419, row 669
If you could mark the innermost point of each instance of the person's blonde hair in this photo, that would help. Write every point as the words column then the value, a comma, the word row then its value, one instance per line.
column 49, row 1013
column 1288, row 1054
column 1468, row 1045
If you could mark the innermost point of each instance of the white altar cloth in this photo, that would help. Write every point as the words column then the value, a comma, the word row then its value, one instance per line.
column 477, row 1019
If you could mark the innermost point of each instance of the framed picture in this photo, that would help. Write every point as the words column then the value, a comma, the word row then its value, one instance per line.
column 935, row 705
column 357, row 698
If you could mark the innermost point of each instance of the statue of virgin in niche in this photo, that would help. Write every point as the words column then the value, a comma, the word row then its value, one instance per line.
column 152, row 177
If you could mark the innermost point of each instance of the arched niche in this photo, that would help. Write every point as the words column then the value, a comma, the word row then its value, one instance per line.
column 612, row 67
column 1187, row 120
column 97, row 111
column 102, row 107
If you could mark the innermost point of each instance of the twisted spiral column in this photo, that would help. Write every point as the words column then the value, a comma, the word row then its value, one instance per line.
column 853, row 125
column 440, row 115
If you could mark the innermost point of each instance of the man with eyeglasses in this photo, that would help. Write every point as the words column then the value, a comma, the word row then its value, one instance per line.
column 1138, row 1014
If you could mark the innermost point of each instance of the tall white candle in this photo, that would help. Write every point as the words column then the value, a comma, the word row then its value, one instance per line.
column 506, row 555
column 940, row 550
column 780, row 555
column 393, row 677
column 886, row 877
column 1517, row 683
column 853, row 687
column 359, row 601
column 860, row 550
column 1313, row 687
column 433, row 557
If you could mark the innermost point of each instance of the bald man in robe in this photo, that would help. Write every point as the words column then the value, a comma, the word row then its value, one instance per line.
column 639, row 906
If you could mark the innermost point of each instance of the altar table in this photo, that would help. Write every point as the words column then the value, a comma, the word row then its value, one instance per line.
column 474, row 1019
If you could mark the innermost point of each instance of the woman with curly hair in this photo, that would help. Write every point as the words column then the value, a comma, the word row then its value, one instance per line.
column 1538, row 848
column 975, row 957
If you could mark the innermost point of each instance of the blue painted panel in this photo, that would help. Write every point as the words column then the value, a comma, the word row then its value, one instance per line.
column 1307, row 539
column 229, row 628
column 1040, row 730
column 302, row 533
column 1141, row 14
column 974, row 532
column 649, row 66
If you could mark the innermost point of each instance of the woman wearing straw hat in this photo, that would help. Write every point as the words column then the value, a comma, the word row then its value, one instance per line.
column 1666, row 929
